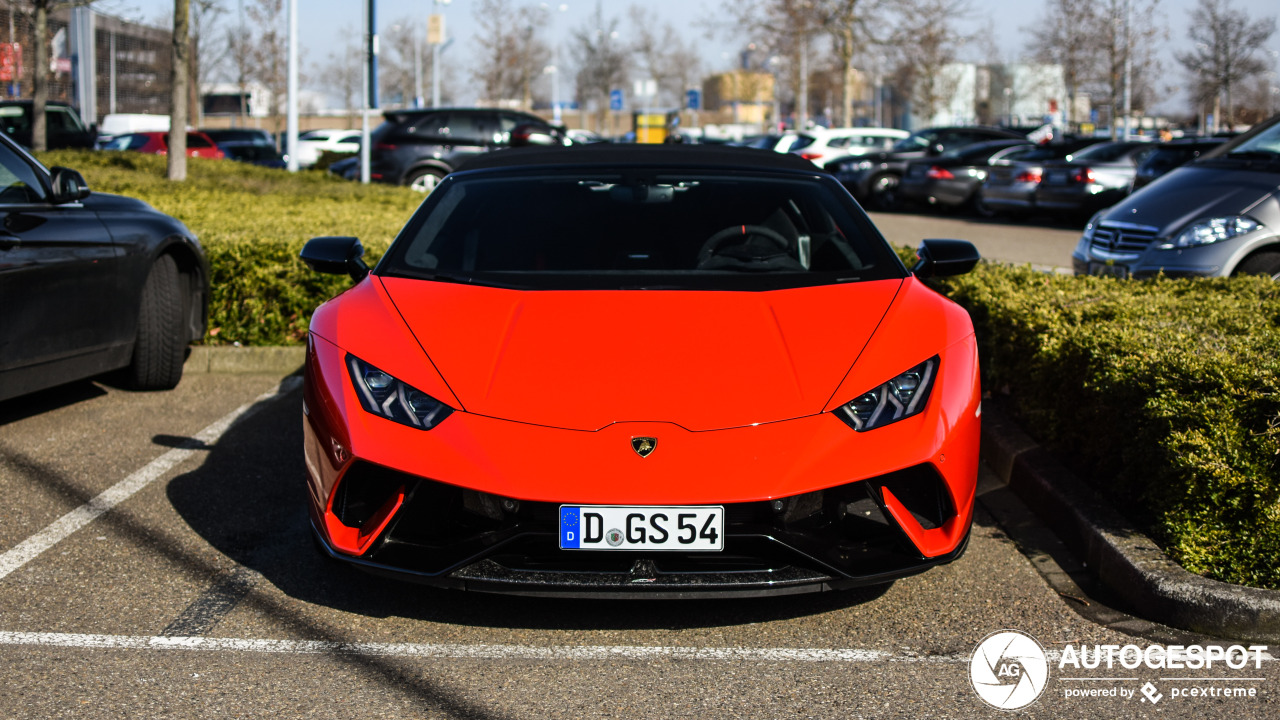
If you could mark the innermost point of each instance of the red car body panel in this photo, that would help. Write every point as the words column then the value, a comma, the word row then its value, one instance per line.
column 788, row 445
column 157, row 145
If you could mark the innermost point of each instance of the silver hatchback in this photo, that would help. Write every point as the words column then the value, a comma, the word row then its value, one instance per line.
column 1215, row 217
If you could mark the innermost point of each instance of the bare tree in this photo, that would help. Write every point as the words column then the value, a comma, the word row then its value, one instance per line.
column 40, row 10
column 1223, row 53
column 1136, row 45
column 664, row 55
column 601, row 59
column 400, row 51
column 934, row 45
column 785, row 29
column 855, row 26
column 513, row 51
column 343, row 73
column 1067, row 35
column 266, row 54
column 177, row 162
column 208, row 49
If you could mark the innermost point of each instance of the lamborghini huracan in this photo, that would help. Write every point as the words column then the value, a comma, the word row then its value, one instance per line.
column 641, row 372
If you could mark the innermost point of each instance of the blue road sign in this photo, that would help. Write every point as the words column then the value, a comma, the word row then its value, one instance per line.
column 693, row 99
column 615, row 100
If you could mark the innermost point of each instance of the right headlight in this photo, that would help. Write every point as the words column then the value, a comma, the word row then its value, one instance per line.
column 387, row 397
column 901, row 397
column 1207, row 232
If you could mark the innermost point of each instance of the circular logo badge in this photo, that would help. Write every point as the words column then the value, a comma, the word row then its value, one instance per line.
column 1009, row 670
column 613, row 537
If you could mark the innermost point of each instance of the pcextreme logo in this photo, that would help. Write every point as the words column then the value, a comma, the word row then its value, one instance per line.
column 1009, row 670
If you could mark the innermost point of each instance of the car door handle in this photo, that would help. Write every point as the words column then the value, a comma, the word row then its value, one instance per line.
column 9, row 242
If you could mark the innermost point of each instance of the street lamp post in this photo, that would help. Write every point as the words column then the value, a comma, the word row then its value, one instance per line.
column 554, row 68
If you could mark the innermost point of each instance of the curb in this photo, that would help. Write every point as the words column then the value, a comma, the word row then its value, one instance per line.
column 283, row 360
column 1124, row 560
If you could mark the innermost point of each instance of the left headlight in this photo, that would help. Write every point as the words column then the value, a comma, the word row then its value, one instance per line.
column 387, row 397
column 1207, row 232
column 901, row 397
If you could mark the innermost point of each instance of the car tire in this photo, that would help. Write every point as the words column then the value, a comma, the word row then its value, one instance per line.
column 159, row 348
column 883, row 192
column 424, row 180
column 979, row 207
column 1263, row 263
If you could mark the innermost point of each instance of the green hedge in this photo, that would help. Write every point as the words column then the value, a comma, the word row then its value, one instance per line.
column 1165, row 394
column 253, row 222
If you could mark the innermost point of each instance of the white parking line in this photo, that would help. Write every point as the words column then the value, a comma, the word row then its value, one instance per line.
column 466, row 652
column 31, row 548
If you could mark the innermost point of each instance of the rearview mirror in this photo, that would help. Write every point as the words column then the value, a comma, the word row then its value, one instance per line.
column 336, row 256
column 68, row 185
column 943, row 258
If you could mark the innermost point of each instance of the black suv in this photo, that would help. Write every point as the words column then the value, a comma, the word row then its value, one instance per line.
column 873, row 178
column 63, row 126
column 419, row 147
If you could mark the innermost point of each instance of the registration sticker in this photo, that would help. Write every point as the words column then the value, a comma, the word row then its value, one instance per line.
column 625, row 527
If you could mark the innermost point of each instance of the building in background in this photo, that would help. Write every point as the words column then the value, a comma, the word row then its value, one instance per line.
column 131, row 69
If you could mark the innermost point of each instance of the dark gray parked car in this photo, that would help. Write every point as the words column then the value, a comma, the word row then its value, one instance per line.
column 1213, row 217
column 873, row 178
column 1092, row 179
column 419, row 147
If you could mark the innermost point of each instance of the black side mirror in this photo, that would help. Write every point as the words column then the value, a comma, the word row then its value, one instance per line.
column 943, row 258
column 68, row 185
column 336, row 256
column 935, row 150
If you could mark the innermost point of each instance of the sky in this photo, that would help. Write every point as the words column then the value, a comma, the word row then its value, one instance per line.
column 327, row 24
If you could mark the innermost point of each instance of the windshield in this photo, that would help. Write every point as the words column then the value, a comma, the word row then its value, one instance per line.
column 916, row 141
column 1267, row 141
column 641, row 230
column 1103, row 152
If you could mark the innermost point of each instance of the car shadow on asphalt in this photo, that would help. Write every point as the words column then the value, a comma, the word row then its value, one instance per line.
column 37, row 403
column 247, row 500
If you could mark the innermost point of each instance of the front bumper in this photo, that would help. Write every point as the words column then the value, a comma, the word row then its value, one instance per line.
column 844, row 537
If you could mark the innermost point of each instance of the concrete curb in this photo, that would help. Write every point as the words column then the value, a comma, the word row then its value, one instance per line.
column 281, row 360
column 1123, row 559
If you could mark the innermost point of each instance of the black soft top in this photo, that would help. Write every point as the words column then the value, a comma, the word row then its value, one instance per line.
column 610, row 155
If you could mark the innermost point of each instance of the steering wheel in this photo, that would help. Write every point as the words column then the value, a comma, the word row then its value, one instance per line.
column 741, row 232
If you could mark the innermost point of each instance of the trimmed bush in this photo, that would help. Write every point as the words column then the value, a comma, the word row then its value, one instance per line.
column 1165, row 394
column 253, row 222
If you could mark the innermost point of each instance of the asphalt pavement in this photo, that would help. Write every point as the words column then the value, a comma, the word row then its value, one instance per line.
column 155, row 562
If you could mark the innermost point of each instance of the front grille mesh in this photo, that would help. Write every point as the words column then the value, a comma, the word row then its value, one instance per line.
column 1122, row 239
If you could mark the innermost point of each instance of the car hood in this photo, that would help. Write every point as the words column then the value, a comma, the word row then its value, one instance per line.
column 582, row 360
column 1192, row 192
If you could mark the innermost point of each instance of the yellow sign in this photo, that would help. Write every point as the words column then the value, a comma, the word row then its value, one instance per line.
column 435, row 29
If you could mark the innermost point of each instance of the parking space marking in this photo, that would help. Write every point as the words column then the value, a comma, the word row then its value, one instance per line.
column 465, row 652
column 31, row 548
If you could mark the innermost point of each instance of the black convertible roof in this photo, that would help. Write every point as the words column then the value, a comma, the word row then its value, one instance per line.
column 608, row 154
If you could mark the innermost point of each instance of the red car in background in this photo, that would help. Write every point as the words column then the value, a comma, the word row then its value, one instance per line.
column 157, row 143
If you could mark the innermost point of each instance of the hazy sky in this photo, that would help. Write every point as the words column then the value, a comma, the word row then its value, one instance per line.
column 325, row 25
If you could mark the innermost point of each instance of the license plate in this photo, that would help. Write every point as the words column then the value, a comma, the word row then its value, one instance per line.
column 614, row 527
column 1105, row 270
column 1056, row 178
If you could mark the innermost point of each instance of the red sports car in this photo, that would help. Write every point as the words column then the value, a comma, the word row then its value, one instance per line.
column 641, row 371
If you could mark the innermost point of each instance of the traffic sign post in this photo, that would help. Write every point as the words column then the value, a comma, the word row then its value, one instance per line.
column 615, row 100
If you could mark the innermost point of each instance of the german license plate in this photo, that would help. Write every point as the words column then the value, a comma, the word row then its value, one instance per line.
column 1057, row 177
column 1105, row 270
column 682, row 528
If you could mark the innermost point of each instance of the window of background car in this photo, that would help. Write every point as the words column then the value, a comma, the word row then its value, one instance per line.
column 62, row 119
column 18, row 180
column 127, row 142
column 651, row 230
